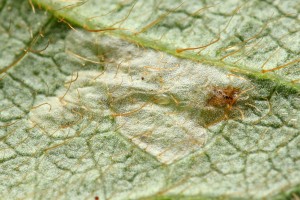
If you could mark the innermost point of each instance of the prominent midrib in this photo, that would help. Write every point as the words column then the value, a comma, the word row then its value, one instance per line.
column 75, row 19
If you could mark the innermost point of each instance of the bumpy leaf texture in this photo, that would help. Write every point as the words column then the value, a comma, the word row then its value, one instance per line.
column 149, row 99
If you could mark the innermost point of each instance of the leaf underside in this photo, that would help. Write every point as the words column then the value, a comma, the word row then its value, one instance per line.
column 88, row 110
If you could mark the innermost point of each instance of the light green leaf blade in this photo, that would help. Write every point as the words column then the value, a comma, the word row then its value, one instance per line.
column 249, row 37
column 93, row 115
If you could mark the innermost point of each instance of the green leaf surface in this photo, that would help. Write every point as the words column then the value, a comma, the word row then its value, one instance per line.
column 85, row 113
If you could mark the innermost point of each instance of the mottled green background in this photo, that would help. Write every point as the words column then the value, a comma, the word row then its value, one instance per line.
column 86, row 114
